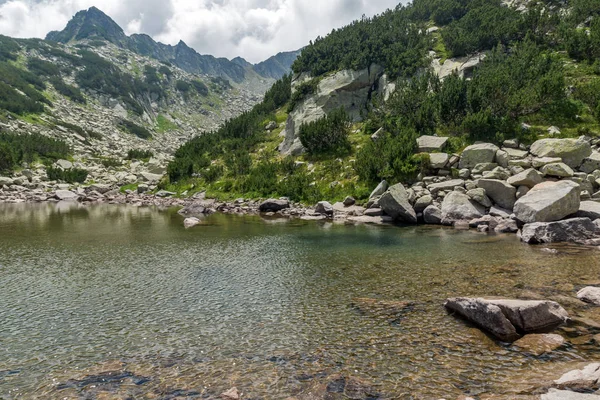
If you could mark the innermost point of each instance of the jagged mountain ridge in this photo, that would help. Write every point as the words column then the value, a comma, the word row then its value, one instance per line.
column 95, row 24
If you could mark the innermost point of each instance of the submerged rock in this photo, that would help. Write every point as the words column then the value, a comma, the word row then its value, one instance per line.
column 231, row 394
column 191, row 222
column 548, row 201
column 575, row 230
column 509, row 319
column 539, row 344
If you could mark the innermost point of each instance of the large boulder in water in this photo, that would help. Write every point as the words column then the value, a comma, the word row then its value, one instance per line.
column 459, row 207
column 502, row 193
column 575, row 230
column 571, row 151
column 478, row 154
column 274, row 205
column 509, row 319
column 548, row 201
column 395, row 203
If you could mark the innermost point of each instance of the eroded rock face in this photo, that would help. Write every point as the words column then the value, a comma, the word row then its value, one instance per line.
column 509, row 319
column 571, row 151
column 395, row 203
column 548, row 201
column 347, row 88
column 459, row 207
column 575, row 230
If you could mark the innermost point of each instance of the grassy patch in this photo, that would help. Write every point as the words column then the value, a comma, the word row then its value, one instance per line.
column 163, row 124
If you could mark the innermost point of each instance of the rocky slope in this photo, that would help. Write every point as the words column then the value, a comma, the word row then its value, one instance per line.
column 94, row 24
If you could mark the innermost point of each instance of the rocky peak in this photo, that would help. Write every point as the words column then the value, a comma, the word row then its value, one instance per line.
column 88, row 24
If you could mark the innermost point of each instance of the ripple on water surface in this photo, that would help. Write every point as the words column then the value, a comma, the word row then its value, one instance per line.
column 125, row 301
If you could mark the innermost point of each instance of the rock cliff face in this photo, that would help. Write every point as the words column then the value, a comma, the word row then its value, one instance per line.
column 348, row 89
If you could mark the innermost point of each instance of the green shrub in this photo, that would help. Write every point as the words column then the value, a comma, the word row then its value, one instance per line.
column 136, row 154
column 183, row 86
column 135, row 129
column 73, row 175
column 213, row 173
column 69, row 91
column 328, row 134
column 302, row 91
column 200, row 87
column 28, row 148
column 110, row 162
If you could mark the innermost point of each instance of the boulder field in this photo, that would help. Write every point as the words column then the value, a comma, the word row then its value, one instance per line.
column 547, row 192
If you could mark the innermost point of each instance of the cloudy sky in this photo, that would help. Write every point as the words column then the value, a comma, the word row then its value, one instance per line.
column 253, row 29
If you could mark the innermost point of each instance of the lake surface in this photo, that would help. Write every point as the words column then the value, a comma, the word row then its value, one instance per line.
column 121, row 301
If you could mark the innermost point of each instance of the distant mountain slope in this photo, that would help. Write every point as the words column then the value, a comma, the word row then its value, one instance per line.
column 277, row 66
column 94, row 24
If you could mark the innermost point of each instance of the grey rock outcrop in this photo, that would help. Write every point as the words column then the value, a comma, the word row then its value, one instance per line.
column 379, row 190
column 571, row 151
column 478, row 154
column 588, row 209
column 324, row 208
column 590, row 294
column 500, row 192
column 428, row 144
column 348, row 89
column 575, row 230
column 529, row 178
column 591, row 164
column 586, row 379
column 395, row 203
column 548, row 201
column 459, row 207
column 509, row 319
column 66, row 195
column 432, row 215
column 274, row 205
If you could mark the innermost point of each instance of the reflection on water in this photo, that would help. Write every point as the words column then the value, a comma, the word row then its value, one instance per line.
column 125, row 301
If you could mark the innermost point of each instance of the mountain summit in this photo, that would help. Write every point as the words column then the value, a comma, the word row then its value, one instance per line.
column 95, row 24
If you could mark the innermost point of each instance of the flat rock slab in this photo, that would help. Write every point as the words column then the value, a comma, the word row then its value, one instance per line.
column 428, row 144
column 571, row 151
column 66, row 195
column 555, row 394
column 365, row 219
column 478, row 154
column 548, row 201
column 509, row 319
column 586, row 379
column 447, row 185
column 538, row 344
column 459, row 207
column 590, row 294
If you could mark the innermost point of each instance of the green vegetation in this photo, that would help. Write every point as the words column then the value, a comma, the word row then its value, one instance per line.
column 390, row 39
column 327, row 135
column 200, row 87
column 72, row 175
column 18, row 149
column 136, row 154
column 163, row 124
column 135, row 129
column 110, row 162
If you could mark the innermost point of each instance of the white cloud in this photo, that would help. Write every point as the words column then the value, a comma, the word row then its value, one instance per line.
column 253, row 29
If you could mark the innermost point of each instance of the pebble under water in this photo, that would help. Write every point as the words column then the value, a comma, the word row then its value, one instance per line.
column 123, row 302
